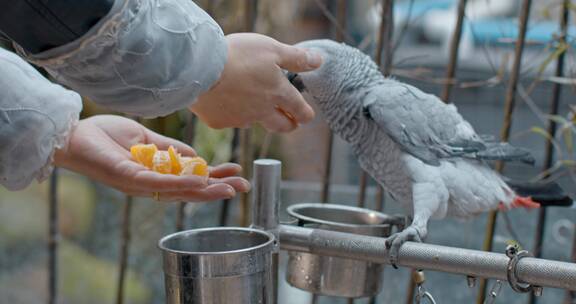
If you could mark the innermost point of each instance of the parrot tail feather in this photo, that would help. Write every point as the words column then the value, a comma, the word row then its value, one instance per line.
column 543, row 193
column 526, row 202
column 520, row 202
column 505, row 152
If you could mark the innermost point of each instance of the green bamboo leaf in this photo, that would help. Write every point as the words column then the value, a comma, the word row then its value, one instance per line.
column 541, row 131
column 568, row 139
column 559, row 119
column 560, row 48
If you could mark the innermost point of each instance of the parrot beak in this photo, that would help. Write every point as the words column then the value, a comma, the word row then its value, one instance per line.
column 296, row 81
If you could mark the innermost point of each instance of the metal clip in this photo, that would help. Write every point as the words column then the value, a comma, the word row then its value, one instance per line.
column 419, row 279
column 494, row 292
column 471, row 281
column 515, row 256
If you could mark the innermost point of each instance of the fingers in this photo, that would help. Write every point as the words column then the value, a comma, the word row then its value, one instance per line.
column 225, row 170
column 163, row 142
column 294, row 104
column 207, row 194
column 154, row 181
column 278, row 122
column 296, row 59
column 238, row 183
column 217, row 189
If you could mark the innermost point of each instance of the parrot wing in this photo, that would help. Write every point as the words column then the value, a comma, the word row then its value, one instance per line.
column 421, row 124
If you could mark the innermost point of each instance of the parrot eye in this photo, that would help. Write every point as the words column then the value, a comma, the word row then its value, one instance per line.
column 366, row 113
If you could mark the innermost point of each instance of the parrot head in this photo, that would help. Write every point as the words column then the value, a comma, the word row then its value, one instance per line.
column 339, row 85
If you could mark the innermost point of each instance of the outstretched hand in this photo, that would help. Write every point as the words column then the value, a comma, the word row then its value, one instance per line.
column 253, row 88
column 99, row 148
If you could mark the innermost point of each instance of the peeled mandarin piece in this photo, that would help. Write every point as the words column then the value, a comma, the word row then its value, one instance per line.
column 185, row 161
column 188, row 168
column 144, row 154
column 174, row 160
column 161, row 162
column 194, row 166
column 201, row 169
column 199, row 160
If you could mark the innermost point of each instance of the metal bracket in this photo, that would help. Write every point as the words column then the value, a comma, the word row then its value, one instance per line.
column 515, row 256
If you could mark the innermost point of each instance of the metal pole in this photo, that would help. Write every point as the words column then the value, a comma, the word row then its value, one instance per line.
column 265, row 204
column 124, row 246
column 505, row 134
column 475, row 263
column 454, row 47
column 266, row 197
column 53, row 238
column 549, row 154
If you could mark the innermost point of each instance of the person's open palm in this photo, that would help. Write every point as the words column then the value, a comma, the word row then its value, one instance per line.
column 99, row 147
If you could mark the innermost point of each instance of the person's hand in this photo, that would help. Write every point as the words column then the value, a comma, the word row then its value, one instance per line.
column 99, row 147
column 253, row 88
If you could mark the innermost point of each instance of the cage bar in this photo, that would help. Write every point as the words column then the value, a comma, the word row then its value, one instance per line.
column 53, row 238
column 505, row 134
column 188, row 137
column 454, row 47
column 552, row 126
column 124, row 249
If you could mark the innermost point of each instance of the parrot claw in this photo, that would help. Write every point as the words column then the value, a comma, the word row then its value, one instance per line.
column 395, row 241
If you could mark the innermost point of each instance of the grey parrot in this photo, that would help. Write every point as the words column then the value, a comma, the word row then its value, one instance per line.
column 421, row 150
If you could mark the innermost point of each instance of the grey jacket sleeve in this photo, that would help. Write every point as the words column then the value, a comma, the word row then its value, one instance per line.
column 145, row 57
column 36, row 117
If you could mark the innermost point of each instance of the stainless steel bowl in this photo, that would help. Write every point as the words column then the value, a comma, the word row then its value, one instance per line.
column 333, row 276
column 218, row 265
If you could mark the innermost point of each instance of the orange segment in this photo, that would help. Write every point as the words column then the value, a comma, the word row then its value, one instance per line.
column 144, row 154
column 168, row 162
column 194, row 166
column 174, row 160
column 201, row 169
column 161, row 162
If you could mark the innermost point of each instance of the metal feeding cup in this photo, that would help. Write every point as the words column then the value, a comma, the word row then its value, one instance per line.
column 218, row 266
column 332, row 276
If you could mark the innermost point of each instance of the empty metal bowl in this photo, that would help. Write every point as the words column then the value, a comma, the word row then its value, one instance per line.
column 332, row 276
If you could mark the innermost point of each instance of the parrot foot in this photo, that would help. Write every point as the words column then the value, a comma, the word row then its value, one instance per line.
column 395, row 241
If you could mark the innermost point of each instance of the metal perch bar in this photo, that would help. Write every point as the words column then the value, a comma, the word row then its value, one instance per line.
column 471, row 263
column 475, row 263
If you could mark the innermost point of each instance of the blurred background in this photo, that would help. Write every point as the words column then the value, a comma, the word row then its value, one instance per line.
column 105, row 243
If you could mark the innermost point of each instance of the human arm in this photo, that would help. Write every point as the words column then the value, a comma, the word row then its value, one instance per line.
column 152, row 58
column 36, row 117
column 39, row 123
